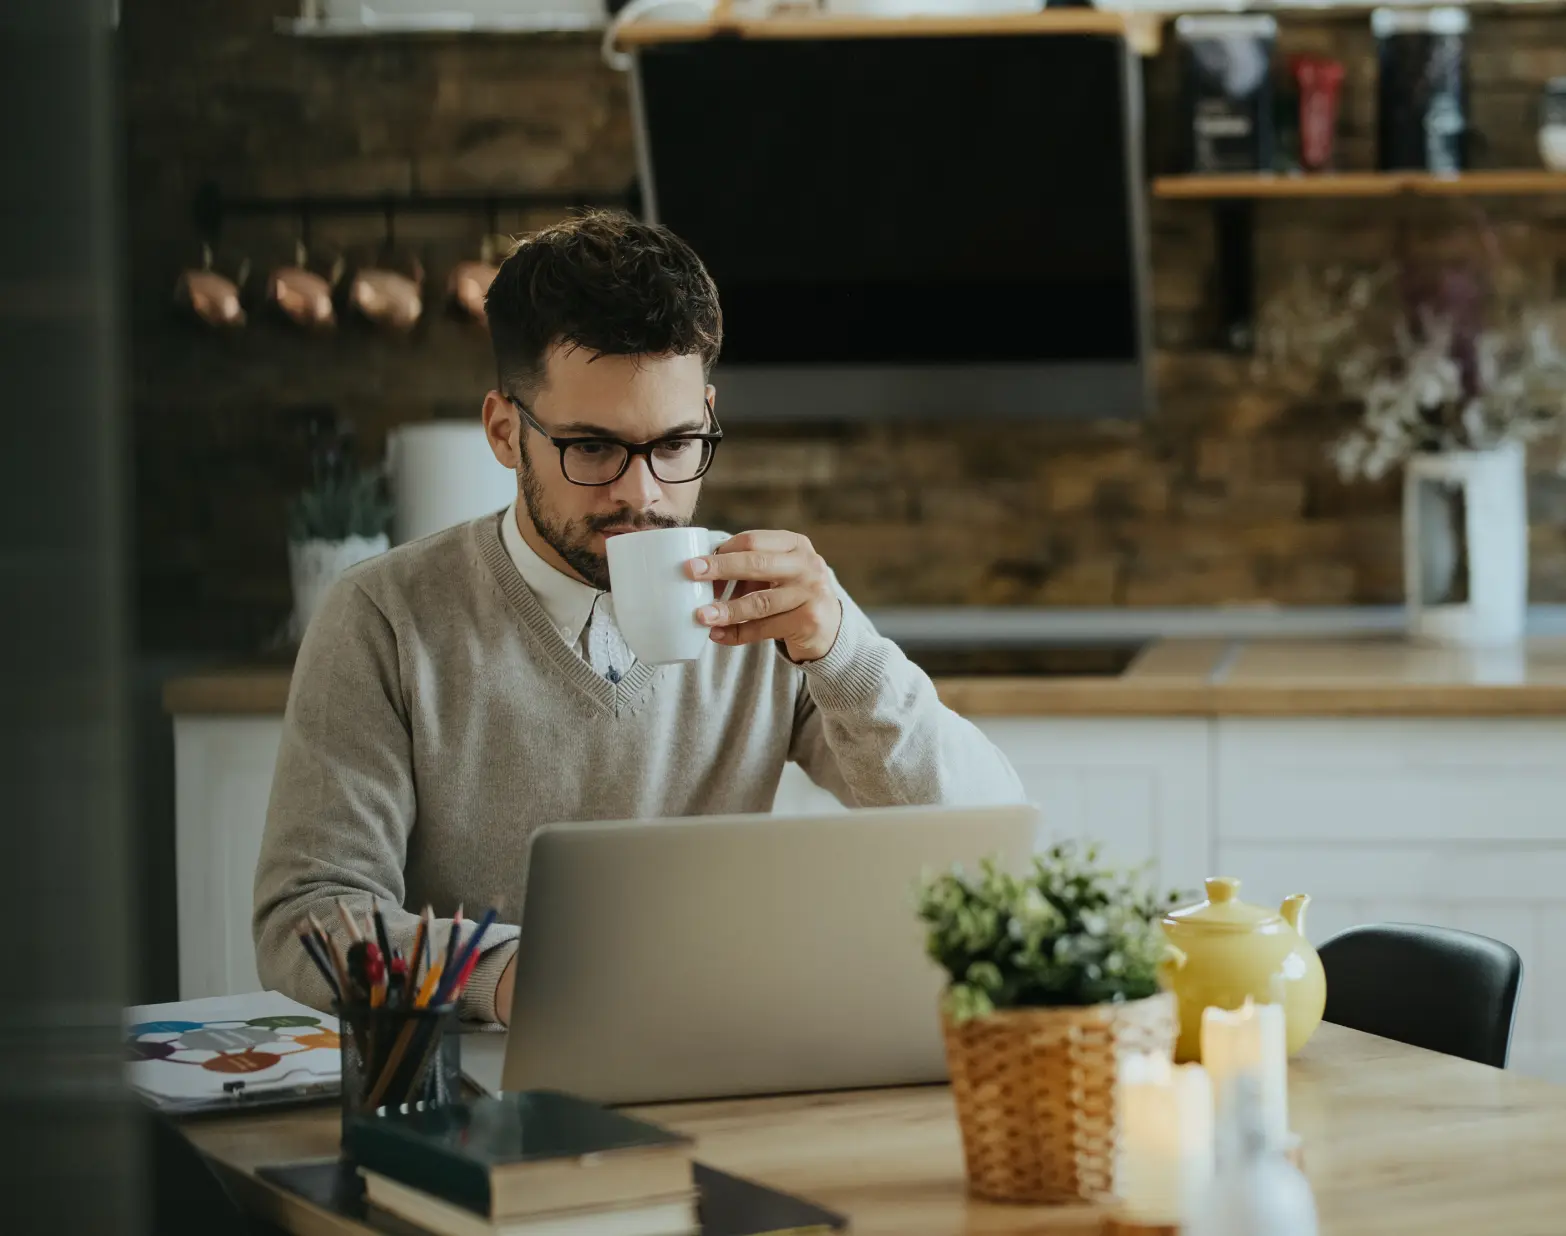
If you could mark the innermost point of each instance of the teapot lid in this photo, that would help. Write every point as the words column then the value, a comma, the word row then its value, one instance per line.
column 1223, row 910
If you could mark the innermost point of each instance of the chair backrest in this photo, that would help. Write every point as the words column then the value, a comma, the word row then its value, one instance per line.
column 1434, row 987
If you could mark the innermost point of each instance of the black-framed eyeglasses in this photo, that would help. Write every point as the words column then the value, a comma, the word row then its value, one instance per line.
column 674, row 460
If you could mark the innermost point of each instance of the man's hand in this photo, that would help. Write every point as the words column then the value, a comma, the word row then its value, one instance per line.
column 784, row 593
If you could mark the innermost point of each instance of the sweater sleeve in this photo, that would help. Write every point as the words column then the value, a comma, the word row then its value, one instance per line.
column 870, row 728
column 343, row 805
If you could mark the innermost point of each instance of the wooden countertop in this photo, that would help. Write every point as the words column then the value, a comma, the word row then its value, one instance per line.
column 1377, row 676
column 1396, row 1140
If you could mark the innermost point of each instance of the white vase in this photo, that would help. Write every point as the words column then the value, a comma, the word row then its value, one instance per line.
column 313, row 567
column 1465, row 546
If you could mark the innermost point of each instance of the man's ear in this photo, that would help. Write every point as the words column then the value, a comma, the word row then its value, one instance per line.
column 503, row 428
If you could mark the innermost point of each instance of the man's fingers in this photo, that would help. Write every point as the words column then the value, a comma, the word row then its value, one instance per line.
column 771, row 540
column 752, row 632
column 753, row 607
column 750, row 564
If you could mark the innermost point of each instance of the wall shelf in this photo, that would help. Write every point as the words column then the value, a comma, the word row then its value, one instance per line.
column 1141, row 30
column 438, row 24
column 1233, row 199
column 1516, row 183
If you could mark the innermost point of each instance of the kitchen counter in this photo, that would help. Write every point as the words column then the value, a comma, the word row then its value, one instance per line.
column 1361, row 675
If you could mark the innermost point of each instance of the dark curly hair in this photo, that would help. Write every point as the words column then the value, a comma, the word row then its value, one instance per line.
column 605, row 282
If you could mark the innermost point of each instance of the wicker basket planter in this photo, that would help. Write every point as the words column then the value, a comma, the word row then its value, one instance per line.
column 1035, row 1094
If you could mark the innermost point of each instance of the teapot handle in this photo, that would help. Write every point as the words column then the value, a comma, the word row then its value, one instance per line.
column 1173, row 962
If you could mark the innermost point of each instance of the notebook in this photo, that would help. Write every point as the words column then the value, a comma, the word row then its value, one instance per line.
column 535, row 1150
column 257, row 1050
column 727, row 1205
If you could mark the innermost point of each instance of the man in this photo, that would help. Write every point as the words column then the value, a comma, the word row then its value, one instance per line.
column 456, row 693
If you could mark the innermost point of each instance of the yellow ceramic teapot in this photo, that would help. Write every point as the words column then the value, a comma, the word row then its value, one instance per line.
column 1223, row 950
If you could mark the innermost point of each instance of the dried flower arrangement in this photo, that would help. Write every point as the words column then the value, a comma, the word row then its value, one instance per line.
column 1451, row 364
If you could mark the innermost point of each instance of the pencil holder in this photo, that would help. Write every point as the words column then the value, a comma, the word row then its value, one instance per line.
column 397, row 1059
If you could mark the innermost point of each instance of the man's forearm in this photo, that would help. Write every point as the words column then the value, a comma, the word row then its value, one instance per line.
column 879, row 735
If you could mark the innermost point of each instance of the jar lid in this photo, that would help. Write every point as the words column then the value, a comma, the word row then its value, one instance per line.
column 1418, row 21
column 1226, row 25
column 1223, row 910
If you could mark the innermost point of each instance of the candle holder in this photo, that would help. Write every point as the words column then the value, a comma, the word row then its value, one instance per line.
column 1124, row 1225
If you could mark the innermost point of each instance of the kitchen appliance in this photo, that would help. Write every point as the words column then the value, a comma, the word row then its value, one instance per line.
column 443, row 473
column 1552, row 125
column 1423, row 119
column 1320, row 81
column 1228, row 96
column 940, row 226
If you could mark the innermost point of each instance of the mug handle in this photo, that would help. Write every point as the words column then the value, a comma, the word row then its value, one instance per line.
column 715, row 539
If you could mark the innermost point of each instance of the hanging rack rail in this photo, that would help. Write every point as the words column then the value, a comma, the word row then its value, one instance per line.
column 211, row 206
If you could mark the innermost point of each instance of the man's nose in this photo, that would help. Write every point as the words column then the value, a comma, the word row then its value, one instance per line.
column 637, row 487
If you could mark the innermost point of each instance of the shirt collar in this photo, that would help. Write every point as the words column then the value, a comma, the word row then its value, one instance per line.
column 567, row 601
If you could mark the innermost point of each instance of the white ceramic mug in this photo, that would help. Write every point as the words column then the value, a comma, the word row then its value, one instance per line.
column 655, row 601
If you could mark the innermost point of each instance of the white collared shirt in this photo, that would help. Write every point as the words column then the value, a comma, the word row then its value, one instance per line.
column 582, row 614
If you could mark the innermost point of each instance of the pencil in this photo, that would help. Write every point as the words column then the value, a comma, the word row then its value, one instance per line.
column 427, row 988
column 354, row 933
column 420, row 934
column 464, row 966
column 312, row 951
column 451, row 939
column 329, row 947
column 385, row 940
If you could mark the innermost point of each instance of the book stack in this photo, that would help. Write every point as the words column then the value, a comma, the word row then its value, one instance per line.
column 543, row 1163
column 533, row 1163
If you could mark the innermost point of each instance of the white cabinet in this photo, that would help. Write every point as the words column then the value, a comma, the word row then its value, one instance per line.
column 1455, row 822
column 1138, row 786
column 1452, row 822
column 222, row 781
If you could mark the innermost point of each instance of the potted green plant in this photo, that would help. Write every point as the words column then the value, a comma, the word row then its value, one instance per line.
column 1052, row 974
column 339, row 520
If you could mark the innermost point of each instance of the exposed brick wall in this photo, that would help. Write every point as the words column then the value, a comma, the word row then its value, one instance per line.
column 1224, row 496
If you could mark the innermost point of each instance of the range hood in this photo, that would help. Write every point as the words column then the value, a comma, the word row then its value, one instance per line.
column 349, row 18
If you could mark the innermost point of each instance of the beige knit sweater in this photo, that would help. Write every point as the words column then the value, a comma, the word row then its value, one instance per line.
column 436, row 718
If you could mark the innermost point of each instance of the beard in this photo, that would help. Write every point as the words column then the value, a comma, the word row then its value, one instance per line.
column 570, row 538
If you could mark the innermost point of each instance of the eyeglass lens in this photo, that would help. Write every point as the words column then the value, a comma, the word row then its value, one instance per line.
column 672, row 461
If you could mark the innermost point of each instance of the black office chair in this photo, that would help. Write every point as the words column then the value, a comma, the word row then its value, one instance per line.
column 1434, row 987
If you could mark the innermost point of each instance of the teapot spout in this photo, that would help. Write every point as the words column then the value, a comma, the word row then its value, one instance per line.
column 1293, row 911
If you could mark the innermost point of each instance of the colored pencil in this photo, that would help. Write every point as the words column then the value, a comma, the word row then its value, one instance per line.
column 416, row 955
column 313, row 952
column 354, row 933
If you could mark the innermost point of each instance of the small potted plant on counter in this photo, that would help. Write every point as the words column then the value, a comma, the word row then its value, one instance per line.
column 339, row 520
column 1052, row 975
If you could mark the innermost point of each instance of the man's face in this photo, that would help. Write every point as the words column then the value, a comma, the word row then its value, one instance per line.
column 632, row 398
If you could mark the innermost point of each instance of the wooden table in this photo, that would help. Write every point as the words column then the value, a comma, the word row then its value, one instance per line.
column 1397, row 1140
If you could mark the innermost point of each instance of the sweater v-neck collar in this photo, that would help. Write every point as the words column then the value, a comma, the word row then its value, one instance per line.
column 614, row 697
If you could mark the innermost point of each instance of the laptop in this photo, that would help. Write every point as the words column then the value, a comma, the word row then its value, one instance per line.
column 720, row 956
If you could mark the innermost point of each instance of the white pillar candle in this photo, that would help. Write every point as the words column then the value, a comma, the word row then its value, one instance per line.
column 1251, row 1039
column 1164, row 1142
